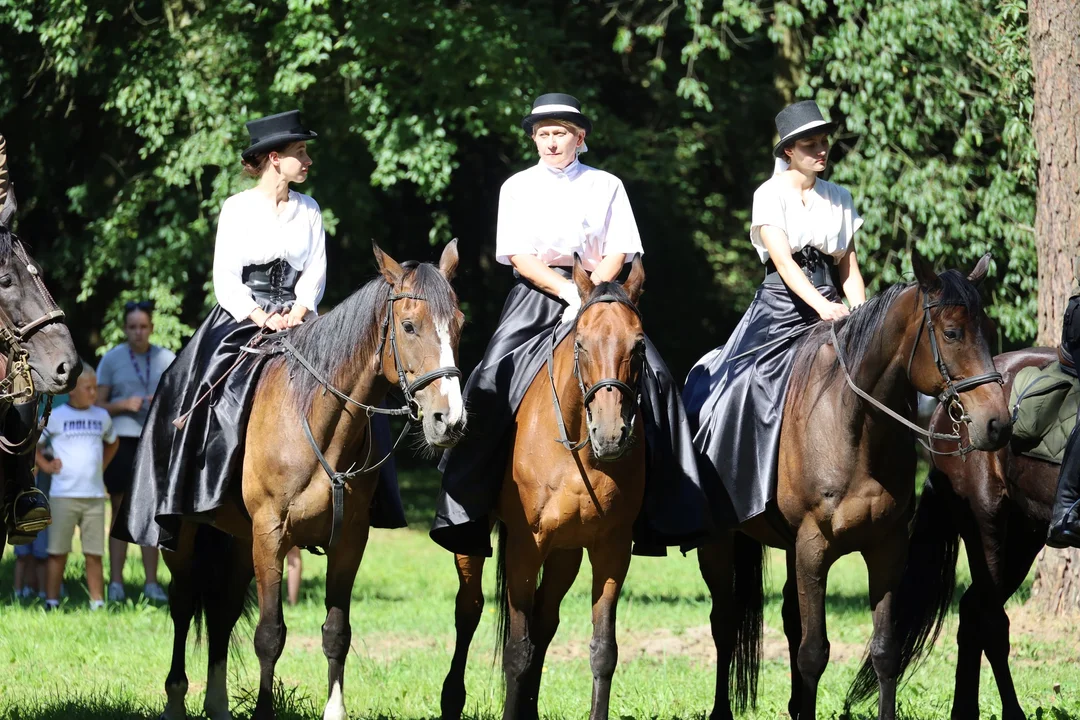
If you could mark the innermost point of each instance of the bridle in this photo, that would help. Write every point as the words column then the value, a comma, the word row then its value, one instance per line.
column 18, row 384
column 410, row 410
column 949, row 396
column 587, row 395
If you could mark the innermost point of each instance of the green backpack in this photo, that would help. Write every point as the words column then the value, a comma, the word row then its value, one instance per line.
column 1044, row 403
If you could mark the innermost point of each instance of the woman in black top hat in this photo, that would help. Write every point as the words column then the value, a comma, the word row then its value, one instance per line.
column 547, row 214
column 269, row 273
column 803, row 229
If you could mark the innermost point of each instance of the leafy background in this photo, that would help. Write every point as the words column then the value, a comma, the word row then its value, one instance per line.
column 125, row 118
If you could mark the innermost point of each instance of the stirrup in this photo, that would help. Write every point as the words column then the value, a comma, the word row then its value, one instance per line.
column 36, row 519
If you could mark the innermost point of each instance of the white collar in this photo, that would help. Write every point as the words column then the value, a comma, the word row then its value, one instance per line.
column 571, row 171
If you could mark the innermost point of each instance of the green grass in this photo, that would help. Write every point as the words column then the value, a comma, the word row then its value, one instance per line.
column 93, row 666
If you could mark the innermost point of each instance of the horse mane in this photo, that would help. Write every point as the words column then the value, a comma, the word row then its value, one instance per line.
column 860, row 332
column 7, row 244
column 346, row 338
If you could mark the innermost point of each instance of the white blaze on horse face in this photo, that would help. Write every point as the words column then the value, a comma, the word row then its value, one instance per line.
column 451, row 387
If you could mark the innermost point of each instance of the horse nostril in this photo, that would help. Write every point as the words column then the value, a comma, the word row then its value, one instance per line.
column 999, row 430
column 62, row 370
column 439, row 417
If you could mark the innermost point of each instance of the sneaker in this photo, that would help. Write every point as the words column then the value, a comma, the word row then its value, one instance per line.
column 51, row 605
column 155, row 593
column 116, row 592
column 96, row 605
column 27, row 593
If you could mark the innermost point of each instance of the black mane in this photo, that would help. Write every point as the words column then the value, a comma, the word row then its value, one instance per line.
column 860, row 332
column 347, row 336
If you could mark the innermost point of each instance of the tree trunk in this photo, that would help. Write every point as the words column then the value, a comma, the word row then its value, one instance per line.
column 1054, row 40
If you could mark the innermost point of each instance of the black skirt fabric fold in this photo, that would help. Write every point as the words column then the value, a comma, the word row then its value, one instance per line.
column 473, row 471
column 734, row 400
column 191, row 472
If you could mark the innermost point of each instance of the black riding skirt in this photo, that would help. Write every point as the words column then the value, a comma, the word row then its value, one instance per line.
column 473, row 471
column 734, row 399
column 193, row 471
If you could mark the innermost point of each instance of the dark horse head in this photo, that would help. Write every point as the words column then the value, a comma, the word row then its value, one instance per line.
column 609, row 354
column 30, row 320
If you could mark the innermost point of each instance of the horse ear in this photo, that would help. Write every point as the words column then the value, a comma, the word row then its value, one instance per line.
column 449, row 261
column 582, row 280
column 388, row 266
column 977, row 275
column 634, row 284
column 924, row 270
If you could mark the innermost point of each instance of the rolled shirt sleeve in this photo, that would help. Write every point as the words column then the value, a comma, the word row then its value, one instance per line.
column 768, row 210
column 512, row 235
column 621, row 235
column 229, row 288
column 311, row 284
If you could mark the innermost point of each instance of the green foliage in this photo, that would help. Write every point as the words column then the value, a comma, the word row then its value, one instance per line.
column 125, row 121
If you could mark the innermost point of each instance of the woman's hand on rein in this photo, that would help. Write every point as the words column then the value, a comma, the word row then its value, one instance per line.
column 833, row 311
column 276, row 322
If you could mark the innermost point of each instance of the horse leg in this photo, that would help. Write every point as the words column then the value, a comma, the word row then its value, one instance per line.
column 716, row 563
column 560, row 570
column 1019, row 553
column 342, row 563
column 885, row 565
column 812, row 562
column 468, row 610
column 268, row 556
column 609, row 563
column 224, row 606
column 181, row 609
column 522, row 565
column 793, row 632
column 969, row 650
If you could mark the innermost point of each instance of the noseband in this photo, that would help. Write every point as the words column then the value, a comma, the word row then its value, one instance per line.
column 18, row 384
column 951, row 394
column 628, row 392
column 411, row 410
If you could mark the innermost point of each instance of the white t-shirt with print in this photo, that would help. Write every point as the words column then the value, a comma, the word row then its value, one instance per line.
column 78, row 439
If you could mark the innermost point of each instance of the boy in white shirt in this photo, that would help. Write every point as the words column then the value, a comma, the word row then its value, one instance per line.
column 83, row 442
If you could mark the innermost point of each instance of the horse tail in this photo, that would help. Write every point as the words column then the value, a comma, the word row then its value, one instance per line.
column 502, row 594
column 926, row 588
column 748, row 593
column 213, row 569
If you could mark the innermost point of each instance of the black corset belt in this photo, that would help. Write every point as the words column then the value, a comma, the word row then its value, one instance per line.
column 271, row 283
column 814, row 263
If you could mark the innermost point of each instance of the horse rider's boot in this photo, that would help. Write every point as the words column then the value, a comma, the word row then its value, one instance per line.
column 1065, row 517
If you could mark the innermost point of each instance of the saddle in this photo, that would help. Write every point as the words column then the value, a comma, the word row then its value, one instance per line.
column 1044, row 403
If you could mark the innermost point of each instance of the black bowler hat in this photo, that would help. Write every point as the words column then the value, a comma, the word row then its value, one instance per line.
column 274, row 132
column 556, row 106
column 799, row 120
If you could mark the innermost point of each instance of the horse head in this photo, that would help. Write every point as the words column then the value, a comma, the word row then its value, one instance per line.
column 609, row 354
column 30, row 320
column 953, row 362
column 421, row 342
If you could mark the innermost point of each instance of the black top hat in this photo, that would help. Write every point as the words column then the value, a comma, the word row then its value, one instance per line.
column 556, row 106
column 274, row 132
column 799, row 120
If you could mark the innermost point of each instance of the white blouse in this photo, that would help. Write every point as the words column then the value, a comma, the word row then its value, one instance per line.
column 827, row 221
column 552, row 213
column 250, row 233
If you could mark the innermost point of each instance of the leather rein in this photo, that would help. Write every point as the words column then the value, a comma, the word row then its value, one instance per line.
column 587, row 394
column 18, row 384
column 950, row 395
column 410, row 410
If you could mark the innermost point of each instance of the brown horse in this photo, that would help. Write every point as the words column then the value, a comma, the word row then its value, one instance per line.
column 36, row 350
column 999, row 503
column 400, row 329
column 847, row 475
column 560, row 498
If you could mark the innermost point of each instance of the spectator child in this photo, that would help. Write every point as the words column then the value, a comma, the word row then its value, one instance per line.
column 83, row 441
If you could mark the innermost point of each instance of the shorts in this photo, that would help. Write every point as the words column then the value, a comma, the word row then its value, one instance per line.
column 88, row 514
column 120, row 471
column 39, row 548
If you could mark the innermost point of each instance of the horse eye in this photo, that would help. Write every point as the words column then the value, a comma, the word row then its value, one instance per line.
column 6, row 281
column 953, row 334
column 408, row 327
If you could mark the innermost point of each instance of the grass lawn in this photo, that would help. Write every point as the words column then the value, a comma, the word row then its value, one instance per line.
column 92, row 666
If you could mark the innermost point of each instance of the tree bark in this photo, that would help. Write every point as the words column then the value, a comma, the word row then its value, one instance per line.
column 1054, row 41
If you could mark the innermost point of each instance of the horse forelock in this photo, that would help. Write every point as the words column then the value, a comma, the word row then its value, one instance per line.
column 346, row 338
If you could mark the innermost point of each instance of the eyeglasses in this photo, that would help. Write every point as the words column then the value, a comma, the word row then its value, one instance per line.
column 144, row 305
